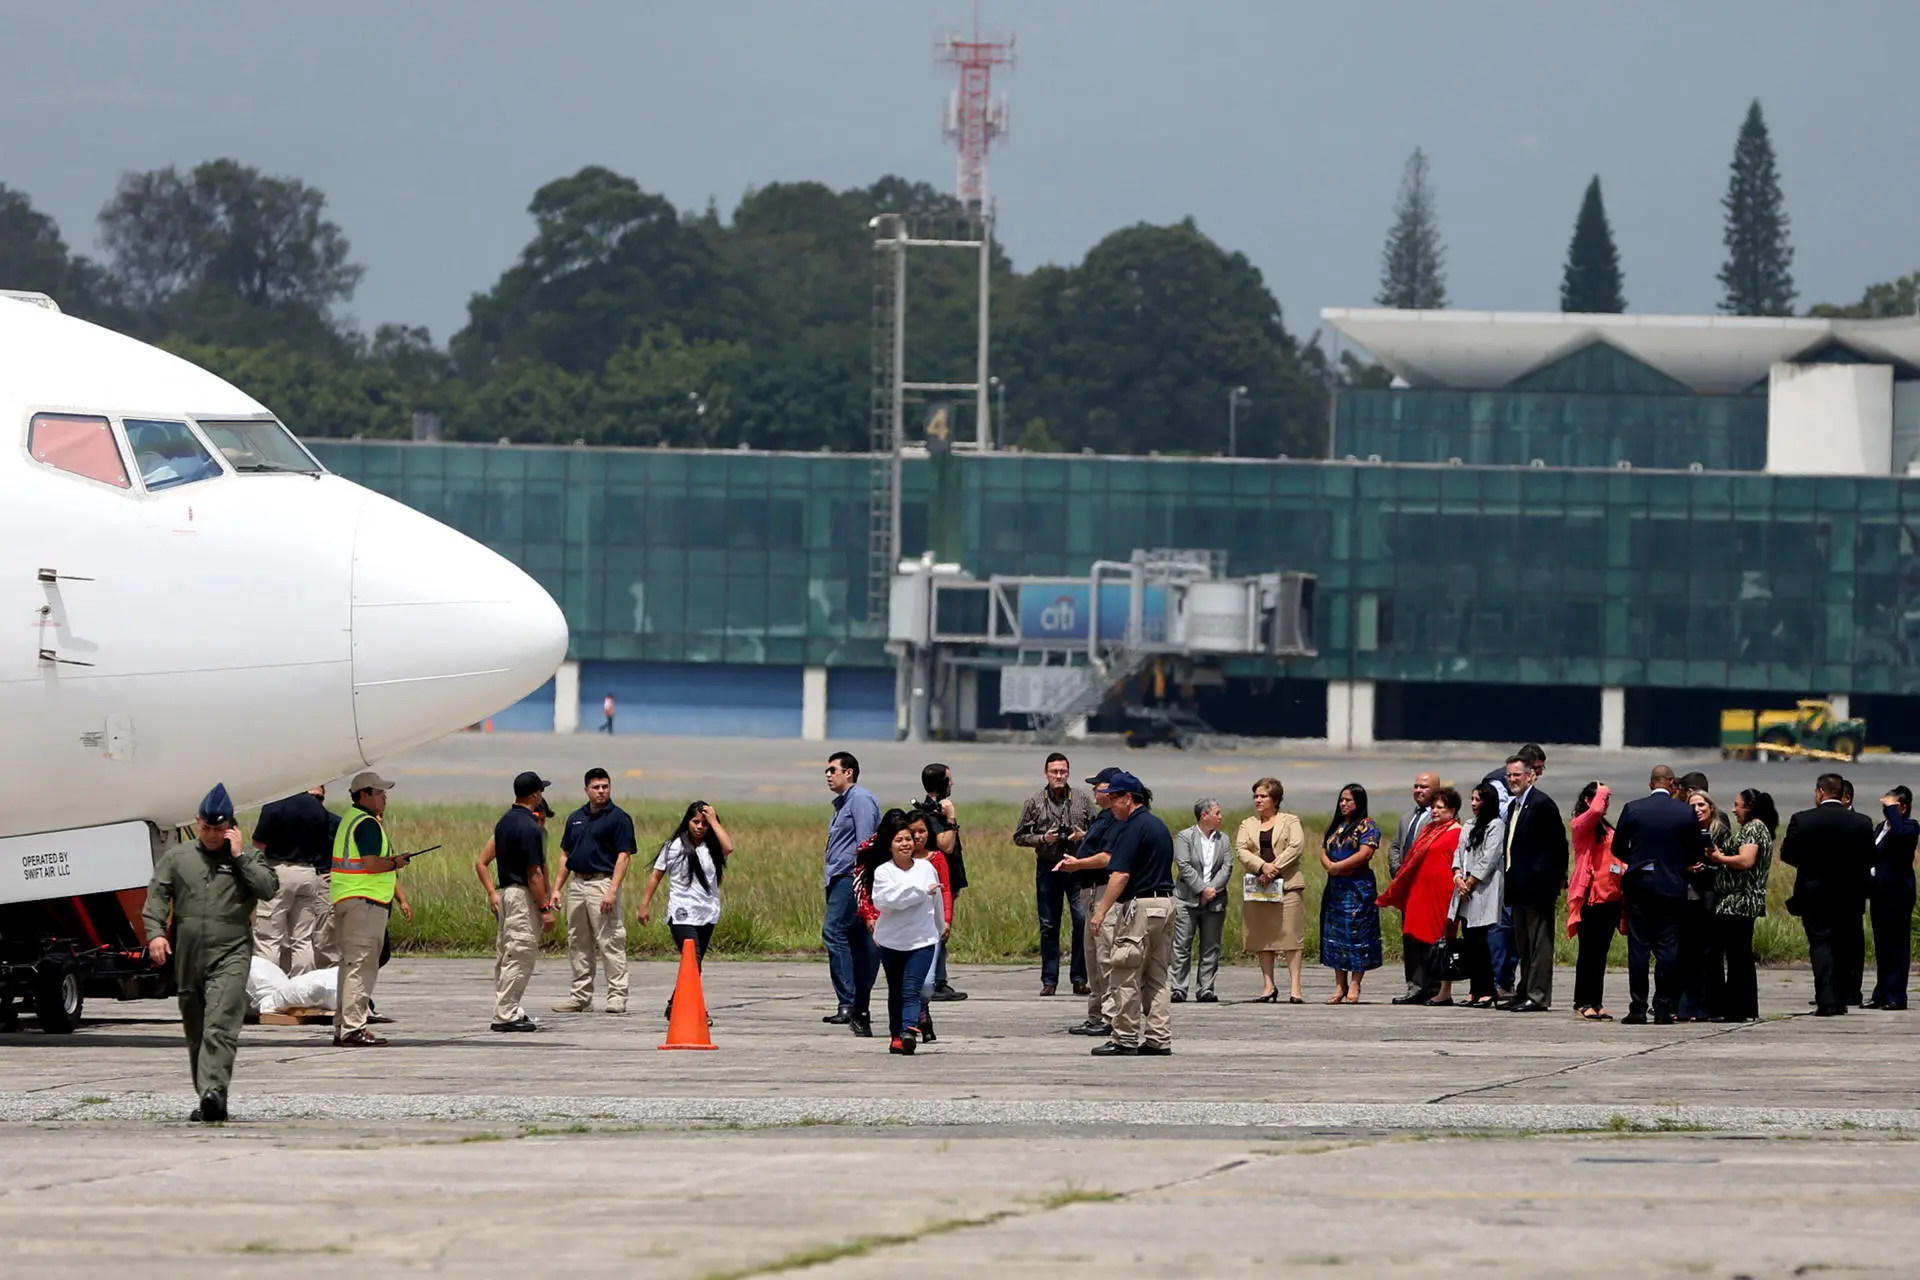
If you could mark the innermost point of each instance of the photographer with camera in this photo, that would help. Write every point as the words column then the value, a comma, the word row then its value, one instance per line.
column 1052, row 823
column 943, row 830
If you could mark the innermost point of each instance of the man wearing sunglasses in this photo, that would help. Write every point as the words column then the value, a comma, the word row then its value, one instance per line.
column 851, row 957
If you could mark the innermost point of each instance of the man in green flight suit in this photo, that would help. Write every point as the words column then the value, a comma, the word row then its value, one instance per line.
column 210, row 886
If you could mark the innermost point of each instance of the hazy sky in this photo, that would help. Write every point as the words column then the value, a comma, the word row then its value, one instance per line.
column 1281, row 127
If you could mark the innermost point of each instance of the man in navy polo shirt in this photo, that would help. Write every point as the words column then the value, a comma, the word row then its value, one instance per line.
column 1138, row 906
column 598, row 841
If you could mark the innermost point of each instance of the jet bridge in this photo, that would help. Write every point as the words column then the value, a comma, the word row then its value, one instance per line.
column 1063, row 645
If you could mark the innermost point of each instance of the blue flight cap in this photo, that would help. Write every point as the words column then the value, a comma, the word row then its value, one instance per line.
column 1105, row 775
column 1121, row 780
column 218, row 806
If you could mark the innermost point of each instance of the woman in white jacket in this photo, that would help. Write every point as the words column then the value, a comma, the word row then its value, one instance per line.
column 1479, row 882
column 906, row 894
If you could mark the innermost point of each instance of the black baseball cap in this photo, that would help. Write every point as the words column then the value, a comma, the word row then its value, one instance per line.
column 528, row 783
column 1105, row 775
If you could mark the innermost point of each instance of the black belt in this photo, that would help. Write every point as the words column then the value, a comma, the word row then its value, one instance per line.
column 1152, row 893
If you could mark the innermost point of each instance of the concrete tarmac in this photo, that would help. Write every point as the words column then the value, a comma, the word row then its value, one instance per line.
column 1363, row 1140
column 481, row 766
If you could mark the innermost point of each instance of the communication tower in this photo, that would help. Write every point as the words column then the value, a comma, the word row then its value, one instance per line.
column 973, row 118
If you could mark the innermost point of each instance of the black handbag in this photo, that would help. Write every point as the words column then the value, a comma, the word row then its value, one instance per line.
column 1447, row 960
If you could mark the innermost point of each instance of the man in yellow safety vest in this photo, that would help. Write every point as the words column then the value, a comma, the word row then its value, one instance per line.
column 364, row 880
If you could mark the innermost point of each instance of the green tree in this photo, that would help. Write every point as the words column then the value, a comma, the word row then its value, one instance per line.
column 32, row 254
column 1413, row 273
column 1758, row 276
column 1035, row 438
column 1592, row 280
column 1137, row 347
column 1880, row 302
column 228, row 255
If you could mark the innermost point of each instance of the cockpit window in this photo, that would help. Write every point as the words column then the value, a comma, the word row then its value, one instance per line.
column 258, row 445
column 81, row 445
column 168, row 453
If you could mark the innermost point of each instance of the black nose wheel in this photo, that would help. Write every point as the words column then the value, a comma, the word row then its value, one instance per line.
column 57, row 998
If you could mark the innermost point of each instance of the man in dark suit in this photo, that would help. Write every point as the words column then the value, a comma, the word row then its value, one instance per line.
column 1892, row 913
column 1831, row 848
column 1658, row 838
column 1536, row 876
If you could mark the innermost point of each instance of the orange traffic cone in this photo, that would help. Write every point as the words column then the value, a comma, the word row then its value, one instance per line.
column 687, row 1028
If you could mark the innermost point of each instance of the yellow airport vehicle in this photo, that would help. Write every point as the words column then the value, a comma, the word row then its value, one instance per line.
column 1810, row 732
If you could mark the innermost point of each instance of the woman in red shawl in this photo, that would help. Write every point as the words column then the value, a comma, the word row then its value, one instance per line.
column 1423, row 890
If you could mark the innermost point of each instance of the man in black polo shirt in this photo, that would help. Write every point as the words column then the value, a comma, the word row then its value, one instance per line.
column 520, row 871
column 294, row 928
column 598, row 841
column 943, row 831
column 1139, row 900
column 1087, row 869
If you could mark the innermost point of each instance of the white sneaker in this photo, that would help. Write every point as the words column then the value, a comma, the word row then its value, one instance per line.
column 573, row 1005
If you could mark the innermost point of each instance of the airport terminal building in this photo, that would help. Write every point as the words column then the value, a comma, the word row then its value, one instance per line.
column 1563, row 527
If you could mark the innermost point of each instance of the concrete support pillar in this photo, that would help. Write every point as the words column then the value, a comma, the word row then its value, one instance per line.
column 1842, row 705
column 1361, row 732
column 1339, row 714
column 968, row 719
column 1613, row 718
column 566, row 698
column 920, row 696
column 813, row 704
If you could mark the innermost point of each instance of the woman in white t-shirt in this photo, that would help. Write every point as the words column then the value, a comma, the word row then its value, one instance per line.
column 693, row 861
column 906, row 893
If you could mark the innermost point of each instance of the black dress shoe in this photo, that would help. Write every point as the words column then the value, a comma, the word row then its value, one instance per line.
column 1082, row 989
column 1634, row 1018
column 839, row 1019
column 862, row 1027
column 1155, row 1051
column 945, row 991
column 1893, row 1008
column 1663, row 1019
column 1207, row 997
column 213, row 1106
column 521, row 1023
column 1828, row 1013
column 1527, row 1006
column 1179, row 997
column 1416, row 1000
column 1112, row 1049
column 1091, row 1029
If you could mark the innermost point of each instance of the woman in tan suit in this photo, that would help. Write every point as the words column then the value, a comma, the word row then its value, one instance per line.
column 1273, row 907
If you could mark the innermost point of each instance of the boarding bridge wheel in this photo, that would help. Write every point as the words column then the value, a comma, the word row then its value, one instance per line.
column 57, row 998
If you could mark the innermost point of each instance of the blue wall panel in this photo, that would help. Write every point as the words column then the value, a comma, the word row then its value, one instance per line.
column 859, row 704
column 693, row 698
column 532, row 714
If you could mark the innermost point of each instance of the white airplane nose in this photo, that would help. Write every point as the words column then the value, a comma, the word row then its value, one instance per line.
column 445, row 632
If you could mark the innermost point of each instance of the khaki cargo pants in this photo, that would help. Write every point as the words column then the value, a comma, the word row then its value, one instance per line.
column 1142, row 951
column 515, row 947
column 592, row 932
column 360, row 925
column 1099, row 959
column 294, row 928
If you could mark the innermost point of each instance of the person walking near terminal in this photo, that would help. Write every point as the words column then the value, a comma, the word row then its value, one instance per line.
column 943, row 827
column 606, row 710
column 1831, row 849
column 1891, row 899
column 1088, row 867
column 294, row 930
column 1139, row 898
column 851, row 959
column 1423, row 890
column 206, row 889
column 1656, row 840
column 1536, row 875
column 1479, row 885
column 693, row 862
column 906, row 899
column 1739, row 899
column 365, row 877
column 1053, row 822
column 526, row 900
column 1203, row 863
column 1349, row 907
column 599, row 842
column 1273, row 891
column 1594, row 912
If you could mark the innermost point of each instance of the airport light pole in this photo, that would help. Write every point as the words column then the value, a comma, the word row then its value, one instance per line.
column 1235, row 398
column 1000, row 415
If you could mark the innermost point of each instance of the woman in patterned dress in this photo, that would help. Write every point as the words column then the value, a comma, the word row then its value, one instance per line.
column 1349, row 916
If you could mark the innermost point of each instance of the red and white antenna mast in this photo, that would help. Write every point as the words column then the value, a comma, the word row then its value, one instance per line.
column 972, row 117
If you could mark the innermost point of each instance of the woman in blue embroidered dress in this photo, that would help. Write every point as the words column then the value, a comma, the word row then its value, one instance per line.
column 1349, row 914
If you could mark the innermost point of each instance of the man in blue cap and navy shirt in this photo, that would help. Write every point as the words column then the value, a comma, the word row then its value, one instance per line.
column 208, row 887
column 1137, row 906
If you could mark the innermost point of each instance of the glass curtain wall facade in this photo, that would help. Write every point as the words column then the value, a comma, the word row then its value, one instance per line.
column 1484, row 575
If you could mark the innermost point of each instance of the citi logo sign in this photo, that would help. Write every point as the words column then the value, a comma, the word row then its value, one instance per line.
column 1058, row 616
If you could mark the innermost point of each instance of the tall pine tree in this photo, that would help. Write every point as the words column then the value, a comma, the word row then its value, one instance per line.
column 1413, row 273
column 1758, row 277
column 1592, row 279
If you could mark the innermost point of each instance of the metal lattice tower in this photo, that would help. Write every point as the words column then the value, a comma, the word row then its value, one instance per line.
column 973, row 118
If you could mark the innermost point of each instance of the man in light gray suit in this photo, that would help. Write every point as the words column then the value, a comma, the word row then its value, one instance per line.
column 1202, row 863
